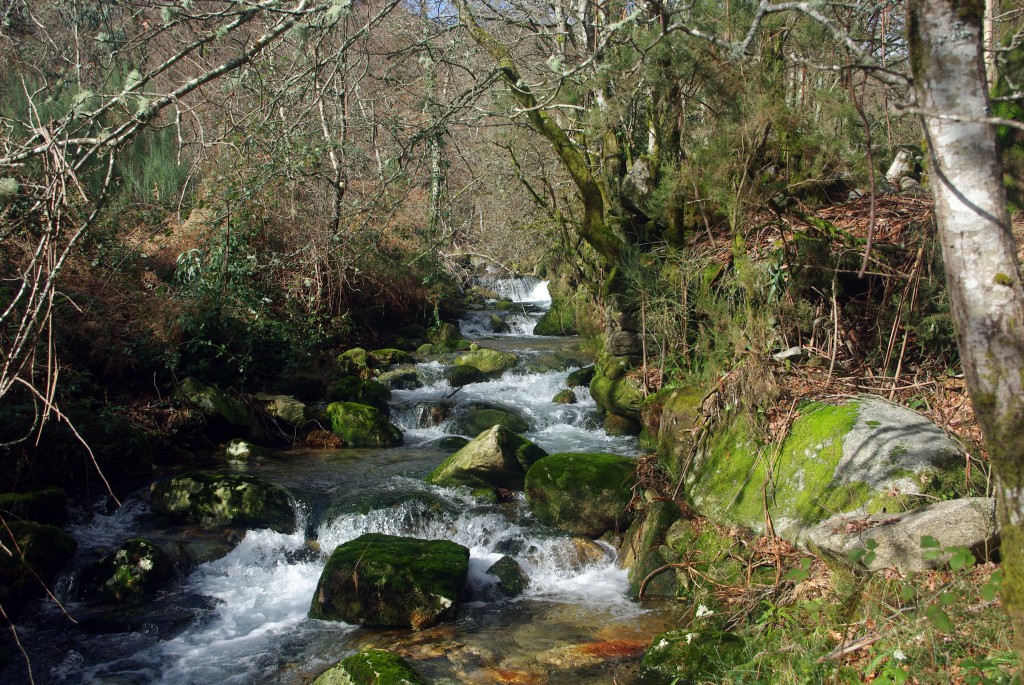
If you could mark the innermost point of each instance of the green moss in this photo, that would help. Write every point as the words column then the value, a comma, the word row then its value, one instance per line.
column 724, row 485
column 224, row 500
column 477, row 420
column 623, row 396
column 488, row 361
column 459, row 376
column 559, row 319
column 621, row 425
column 694, row 655
column 370, row 667
column 360, row 425
column 354, row 361
column 445, row 335
column 355, row 389
column 132, row 572
column 383, row 580
column 672, row 414
column 642, row 550
column 388, row 356
column 513, row 579
column 564, row 397
column 214, row 403
column 585, row 494
column 43, row 506
column 580, row 377
column 497, row 458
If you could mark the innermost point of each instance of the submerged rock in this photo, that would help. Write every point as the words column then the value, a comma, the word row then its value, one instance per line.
column 586, row 494
column 512, row 579
column 224, row 500
column 388, row 581
column 132, row 572
column 488, row 361
column 861, row 457
column 370, row 667
column 49, row 505
column 496, row 458
column 360, row 425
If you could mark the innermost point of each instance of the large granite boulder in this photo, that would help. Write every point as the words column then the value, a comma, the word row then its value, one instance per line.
column 132, row 572
column 239, row 501
column 585, row 494
column 497, row 458
column 864, row 456
column 388, row 581
column 370, row 667
column 360, row 425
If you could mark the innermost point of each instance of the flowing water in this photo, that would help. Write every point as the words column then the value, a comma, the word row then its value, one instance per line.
column 242, row 618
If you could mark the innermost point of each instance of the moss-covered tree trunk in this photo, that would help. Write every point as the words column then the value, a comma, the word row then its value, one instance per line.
column 982, row 273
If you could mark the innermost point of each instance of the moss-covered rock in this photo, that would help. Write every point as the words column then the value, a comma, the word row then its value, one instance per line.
column 863, row 456
column 49, row 505
column 388, row 356
column 586, row 494
column 355, row 361
column 132, row 572
column 580, row 377
column 642, row 550
column 362, row 391
column 445, row 335
column 564, row 397
column 497, row 458
column 361, row 425
column 512, row 579
column 284, row 408
column 224, row 500
column 476, row 419
column 452, row 442
column 488, row 361
column 693, row 655
column 620, row 425
column 387, row 581
column 243, row 452
column 40, row 552
column 710, row 549
column 213, row 403
column 401, row 379
column 370, row 667
column 623, row 396
column 459, row 376
column 498, row 324
column 559, row 319
column 670, row 417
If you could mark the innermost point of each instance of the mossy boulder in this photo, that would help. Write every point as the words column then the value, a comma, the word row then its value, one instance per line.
column 452, row 443
column 643, row 550
column 670, row 417
column 40, row 552
column 355, row 361
column 213, row 403
column 362, row 391
column 694, row 655
column 388, row 356
column 370, row 667
column 585, row 494
column 401, row 379
column 243, row 452
column 387, row 581
column 623, row 396
column 49, row 505
column 864, row 456
column 581, row 377
column 488, row 361
column 497, row 458
column 361, row 425
column 559, row 319
column 239, row 501
column 498, row 324
column 132, row 572
column 445, row 335
column 512, row 579
column 475, row 419
column 458, row 376
column 284, row 408
column 620, row 425
column 564, row 397
column 710, row 550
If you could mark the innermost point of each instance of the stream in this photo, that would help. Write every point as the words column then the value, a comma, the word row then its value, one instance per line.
column 242, row 618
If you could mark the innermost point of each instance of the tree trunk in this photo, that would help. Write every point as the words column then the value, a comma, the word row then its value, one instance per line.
column 982, row 273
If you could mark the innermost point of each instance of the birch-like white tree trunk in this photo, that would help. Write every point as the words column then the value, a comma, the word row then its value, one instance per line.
column 982, row 273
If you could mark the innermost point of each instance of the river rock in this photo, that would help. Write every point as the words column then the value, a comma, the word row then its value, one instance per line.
column 624, row 344
column 362, row 391
column 621, row 425
column 433, row 413
column 239, row 501
column 559, row 319
column 564, row 397
column 387, row 581
column 285, row 408
column 623, row 396
column 370, row 667
column 49, row 505
column 642, row 549
column 389, row 356
column 243, row 452
column 132, row 572
column 360, row 425
column 512, row 579
column 672, row 415
column 694, row 655
column 488, row 361
column 496, row 458
column 459, row 376
column 498, row 324
column 445, row 335
column 586, row 494
column 864, row 456
column 40, row 552
column 580, row 377
column 401, row 379
column 479, row 417
column 213, row 403
column 968, row 522
column 355, row 361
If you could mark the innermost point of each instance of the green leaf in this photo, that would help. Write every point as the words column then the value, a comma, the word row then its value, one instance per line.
column 939, row 618
column 947, row 598
column 869, row 558
column 928, row 541
column 961, row 559
column 856, row 555
column 907, row 592
column 871, row 544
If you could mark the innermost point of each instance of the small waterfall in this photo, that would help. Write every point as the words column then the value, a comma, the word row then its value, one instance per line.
column 530, row 299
